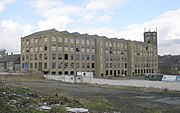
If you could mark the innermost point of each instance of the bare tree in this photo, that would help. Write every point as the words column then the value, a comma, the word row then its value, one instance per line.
column 2, row 52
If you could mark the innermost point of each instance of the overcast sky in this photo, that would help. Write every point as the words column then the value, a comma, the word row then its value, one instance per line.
column 112, row 18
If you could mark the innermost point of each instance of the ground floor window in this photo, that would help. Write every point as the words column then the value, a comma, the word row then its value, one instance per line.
column 60, row 73
column 53, row 73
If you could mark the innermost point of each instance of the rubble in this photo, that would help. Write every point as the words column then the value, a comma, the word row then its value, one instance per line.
column 44, row 108
column 19, row 99
column 77, row 110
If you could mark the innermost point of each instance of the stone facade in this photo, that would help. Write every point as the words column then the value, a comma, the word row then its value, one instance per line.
column 54, row 52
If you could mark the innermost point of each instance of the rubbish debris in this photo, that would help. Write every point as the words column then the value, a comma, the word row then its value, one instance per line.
column 44, row 108
column 77, row 110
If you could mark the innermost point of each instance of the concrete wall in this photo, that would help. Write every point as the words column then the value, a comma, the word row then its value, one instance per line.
column 135, row 83
column 139, row 83
column 65, row 78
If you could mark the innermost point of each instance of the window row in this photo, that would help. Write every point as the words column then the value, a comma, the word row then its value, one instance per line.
column 116, row 58
column 115, row 45
column 60, row 65
column 34, row 49
column 72, row 40
column 58, row 56
column 72, row 56
column 116, row 72
column 73, row 49
column 39, row 65
column 116, row 65
column 34, row 40
column 145, row 65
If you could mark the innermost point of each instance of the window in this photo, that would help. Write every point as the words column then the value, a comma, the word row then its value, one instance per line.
column 27, row 41
column 66, row 72
column 83, row 65
column 66, row 48
column 110, row 65
column 77, row 49
column 36, row 40
column 110, row 44
column 93, row 43
column 53, row 65
column 66, row 56
column 92, row 65
column 88, row 50
column 92, row 50
column 88, row 65
column 65, row 65
column 87, row 42
column 119, row 65
column 107, row 65
column 23, row 51
column 72, row 73
column 53, row 73
column 32, row 41
column 31, row 65
column 77, row 65
column 114, row 65
column 106, row 50
column 53, row 39
column 45, row 38
column 93, row 57
column 27, row 57
column 88, row 57
column 45, row 47
column 82, row 57
column 27, row 49
column 36, row 49
column 114, row 45
column 31, row 49
column 83, row 49
column 53, row 56
column 72, row 56
column 31, row 56
column 59, row 39
column 53, row 48
column 60, row 65
column 72, row 49
column 71, row 40
column 77, row 56
column 106, row 72
column 45, row 65
column 72, row 65
column 45, row 55
column 60, row 56
column 35, row 57
column 66, row 40
column 35, row 65
column 77, row 41
column 82, row 41
column 40, row 56
column 59, row 48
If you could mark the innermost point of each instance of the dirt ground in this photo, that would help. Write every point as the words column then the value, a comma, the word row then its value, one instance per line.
column 103, row 98
column 135, row 100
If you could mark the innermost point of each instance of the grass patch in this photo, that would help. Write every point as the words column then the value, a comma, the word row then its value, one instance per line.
column 58, row 109
column 99, row 105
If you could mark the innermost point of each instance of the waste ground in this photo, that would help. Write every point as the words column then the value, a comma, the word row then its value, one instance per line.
column 27, row 96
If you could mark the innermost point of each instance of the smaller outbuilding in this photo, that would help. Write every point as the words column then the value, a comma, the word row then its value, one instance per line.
column 10, row 63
